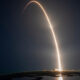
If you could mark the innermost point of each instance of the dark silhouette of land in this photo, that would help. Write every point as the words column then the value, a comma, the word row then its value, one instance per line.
column 38, row 75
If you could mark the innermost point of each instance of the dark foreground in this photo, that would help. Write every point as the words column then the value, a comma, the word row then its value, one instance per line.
column 39, row 74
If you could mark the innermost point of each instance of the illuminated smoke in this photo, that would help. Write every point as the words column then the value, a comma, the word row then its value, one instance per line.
column 52, row 31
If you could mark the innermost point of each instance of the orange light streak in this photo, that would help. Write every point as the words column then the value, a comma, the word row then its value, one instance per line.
column 52, row 31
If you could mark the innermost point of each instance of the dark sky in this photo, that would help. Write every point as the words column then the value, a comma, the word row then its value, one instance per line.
column 26, row 41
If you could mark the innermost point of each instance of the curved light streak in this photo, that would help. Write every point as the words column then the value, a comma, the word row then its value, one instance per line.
column 52, row 31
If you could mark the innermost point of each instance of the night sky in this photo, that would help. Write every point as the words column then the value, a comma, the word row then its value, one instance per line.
column 26, row 43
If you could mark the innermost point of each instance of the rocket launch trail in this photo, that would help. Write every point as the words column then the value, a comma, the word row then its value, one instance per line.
column 52, row 32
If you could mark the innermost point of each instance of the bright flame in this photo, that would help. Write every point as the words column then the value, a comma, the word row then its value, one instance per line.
column 52, row 31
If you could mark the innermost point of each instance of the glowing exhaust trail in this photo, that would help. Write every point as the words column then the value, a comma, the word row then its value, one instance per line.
column 52, row 31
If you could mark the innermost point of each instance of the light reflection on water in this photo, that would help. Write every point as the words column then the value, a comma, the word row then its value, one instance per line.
column 50, row 78
column 60, row 78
